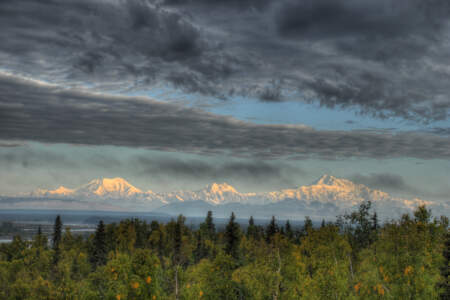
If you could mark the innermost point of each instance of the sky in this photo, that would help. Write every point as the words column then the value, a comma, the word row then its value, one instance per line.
column 261, row 94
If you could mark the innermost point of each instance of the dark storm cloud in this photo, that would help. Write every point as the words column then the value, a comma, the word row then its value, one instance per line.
column 385, row 58
column 223, row 4
column 119, row 43
column 381, row 56
column 33, row 111
column 356, row 18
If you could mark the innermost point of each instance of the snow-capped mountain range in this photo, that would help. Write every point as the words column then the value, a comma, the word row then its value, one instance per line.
column 326, row 197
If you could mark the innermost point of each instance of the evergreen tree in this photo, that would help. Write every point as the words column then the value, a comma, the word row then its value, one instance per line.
column 422, row 215
column 361, row 227
column 111, row 237
column 282, row 231
column 141, row 233
column 208, row 228
column 375, row 227
column 308, row 226
column 271, row 229
column 200, row 251
column 99, row 251
column 156, row 238
column 177, row 241
column 445, row 269
column 375, row 224
column 288, row 229
column 177, row 244
column 252, row 230
column 40, row 240
column 56, row 240
column 232, row 237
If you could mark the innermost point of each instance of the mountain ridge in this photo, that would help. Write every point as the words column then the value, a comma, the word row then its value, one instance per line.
column 325, row 195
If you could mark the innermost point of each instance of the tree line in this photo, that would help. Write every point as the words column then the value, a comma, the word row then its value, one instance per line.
column 354, row 257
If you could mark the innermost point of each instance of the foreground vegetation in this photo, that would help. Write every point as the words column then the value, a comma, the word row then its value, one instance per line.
column 353, row 258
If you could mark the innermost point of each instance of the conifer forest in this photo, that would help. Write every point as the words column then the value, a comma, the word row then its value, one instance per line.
column 355, row 257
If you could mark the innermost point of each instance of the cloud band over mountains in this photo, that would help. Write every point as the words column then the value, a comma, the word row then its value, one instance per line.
column 35, row 111
column 384, row 58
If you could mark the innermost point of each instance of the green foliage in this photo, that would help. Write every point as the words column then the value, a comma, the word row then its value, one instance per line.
column 356, row 258
column 323, row 262
column 211, row 279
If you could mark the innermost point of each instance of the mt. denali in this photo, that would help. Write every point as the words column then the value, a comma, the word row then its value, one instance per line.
column 326, row 197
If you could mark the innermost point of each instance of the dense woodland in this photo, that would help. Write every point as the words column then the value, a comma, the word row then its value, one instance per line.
column 353, row 258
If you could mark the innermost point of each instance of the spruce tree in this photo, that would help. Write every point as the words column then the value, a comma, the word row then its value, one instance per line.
column 445, row 269
column 252, row 230
column 375, row 228
column 177, row 244
column 39, row 238
column 422, row 215
column 40, row 241
column 56, row 240
column 99, row 251
column 288, row 230
column 200, row 250
column 361, row 227
column 308, row 226
column 271, row 230
column 177, row 240
column 208, row 228
column 232, row 237
column 375, row 225
column 156, row 238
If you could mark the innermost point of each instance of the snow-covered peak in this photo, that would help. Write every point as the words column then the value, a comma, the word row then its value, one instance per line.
column 108, row 187
column 329, row 189
column 219, row 188
column 62, row 191
column 329, row 180
column 215, row 193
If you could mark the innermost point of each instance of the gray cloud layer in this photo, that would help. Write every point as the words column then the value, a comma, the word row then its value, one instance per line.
column 385, row 181
column 249, row 171
column 396, row 184
column 151, row 166
column 385, row 58
column 32, row 111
